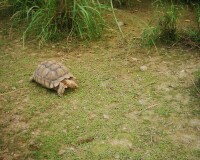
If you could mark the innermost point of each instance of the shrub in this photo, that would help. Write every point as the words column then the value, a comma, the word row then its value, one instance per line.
column 165, row 29
column 52, row 19
column 167, row 25
column 191, row 36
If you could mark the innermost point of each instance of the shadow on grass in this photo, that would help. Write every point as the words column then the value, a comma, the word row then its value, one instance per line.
column 195, row 93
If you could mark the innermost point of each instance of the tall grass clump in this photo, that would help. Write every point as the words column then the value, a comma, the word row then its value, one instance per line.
column 53, row 19
column 197, row 83
column 197, row 10
column 150, row 35
column 167, row 24
column 191, row 36
column 165, row 27
column 190, row 2
column 119, row 3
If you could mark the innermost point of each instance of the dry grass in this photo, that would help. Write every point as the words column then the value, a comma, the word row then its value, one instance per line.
column 119, row 111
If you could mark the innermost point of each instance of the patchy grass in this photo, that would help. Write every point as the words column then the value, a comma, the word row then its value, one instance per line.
column 119, row 111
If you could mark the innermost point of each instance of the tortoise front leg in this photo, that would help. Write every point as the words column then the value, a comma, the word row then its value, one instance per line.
column 61, row 89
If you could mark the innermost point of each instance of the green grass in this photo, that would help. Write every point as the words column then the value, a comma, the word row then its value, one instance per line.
column 53, row 21
column 191, row 35
column 165, row 27
column 54, row 126
column 119, row 111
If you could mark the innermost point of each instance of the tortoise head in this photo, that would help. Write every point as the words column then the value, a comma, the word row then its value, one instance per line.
column 71, row 83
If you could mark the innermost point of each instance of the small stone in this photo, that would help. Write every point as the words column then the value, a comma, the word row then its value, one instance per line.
column 120, row 23
column 25, row 100
column 117, row 156
column 64, row 131
column 142, row 102
column 134, row 59
column 21, row 81
column 187, row 20
column 195, row 123
column 53, row 46
column 79, row 55
column 14, row 88
column 61, row 152
column 106, row 116
column 143, row 68
column 124, row 128
column 72, row 148
column 92, row 116
column 17, row 156
column 60, row 53
column 182, row 74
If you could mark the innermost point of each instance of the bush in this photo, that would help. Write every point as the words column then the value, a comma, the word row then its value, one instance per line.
column 167, row 25
column 197, row 84
column 197, row 10
column 191, row 36
column 119, row 3
column 165, row 29
column 52, row 19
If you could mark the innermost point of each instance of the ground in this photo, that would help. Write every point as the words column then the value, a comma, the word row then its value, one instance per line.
column 133, row 102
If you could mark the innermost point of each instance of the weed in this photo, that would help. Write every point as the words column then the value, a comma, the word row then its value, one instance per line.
column 198, row 78
column 121, row 3
column 150, row 35
column 167, row 25
column 165, row 29
column 53, row 20
column 197, row 10
column 191, row 36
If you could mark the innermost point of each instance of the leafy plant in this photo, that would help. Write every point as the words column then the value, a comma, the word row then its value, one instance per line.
column 191, row 36
column 150, row 35
column 197, row 10
column 165, row 28
column 119, row 3
column 52, row 19
column 167, row 24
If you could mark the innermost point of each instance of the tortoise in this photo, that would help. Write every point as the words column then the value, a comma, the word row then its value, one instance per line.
column 53, row 75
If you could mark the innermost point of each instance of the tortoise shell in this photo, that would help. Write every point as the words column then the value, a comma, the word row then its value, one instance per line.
column 51, row 73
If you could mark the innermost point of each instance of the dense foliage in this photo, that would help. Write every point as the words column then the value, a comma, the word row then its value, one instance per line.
column 166, row 30
column 52, row 19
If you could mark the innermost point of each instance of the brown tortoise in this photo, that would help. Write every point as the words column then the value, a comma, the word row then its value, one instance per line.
column 54, row 75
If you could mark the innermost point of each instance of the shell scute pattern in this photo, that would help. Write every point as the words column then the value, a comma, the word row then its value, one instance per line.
column 47, row 63
column 44, row 72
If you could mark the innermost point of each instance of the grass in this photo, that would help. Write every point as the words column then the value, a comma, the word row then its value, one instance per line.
column 122, row 3
column 97, row 121
column 165, row 29
column 52, row 20
column 191, row 35
column 119, row 111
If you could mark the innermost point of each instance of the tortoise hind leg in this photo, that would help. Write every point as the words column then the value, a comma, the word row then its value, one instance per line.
column 61, row 89
column 31, row 78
